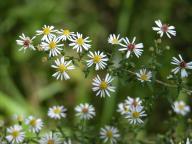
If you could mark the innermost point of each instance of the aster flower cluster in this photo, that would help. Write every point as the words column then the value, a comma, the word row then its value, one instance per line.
column 109, row 68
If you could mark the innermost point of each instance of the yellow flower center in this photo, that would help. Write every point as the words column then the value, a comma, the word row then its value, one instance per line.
column 57, row 111
column 85, row 110
column 46, row 31
column 135, row 114
column 126, row 108
column 66, row 32
column 109, row 134
column 62, row 68
column 103, row 85
column 50, row 141
column 181, row 106
column 96, row 59
column 19, row 118
column 52, row 45
column 115, row 41
column 144, row 77
column 33, row 122
column 15, row 134
column 80, row 41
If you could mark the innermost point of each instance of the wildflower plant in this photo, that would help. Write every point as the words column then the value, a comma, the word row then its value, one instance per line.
column 134, row 111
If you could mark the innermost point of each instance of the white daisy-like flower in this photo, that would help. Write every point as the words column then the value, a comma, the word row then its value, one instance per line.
column 181, row 66
column 131, row 47
column 180, row 107
column 67, row 141
column 109, row 134
column 25, row 42
column 113, row 39
column 98, row 59
column 62, row 67
column 133, row 102
column 15, row 135
column 50, row 138
column 164, row 28
column 52, row 45
column 103, row 87
column 79, row 43
column 123, row 108
column 18, row 117
column 143, row 75
column 57, row 112
column 47, row 32
column 85, row 111
column 35, row 124
column 135, row 114
column 65, row 34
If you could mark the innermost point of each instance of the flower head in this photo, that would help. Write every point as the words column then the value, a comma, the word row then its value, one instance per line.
column 50, row 138
column 25, row 42
column 62, row 67
column 79, row 43
column 181, row 66
column 35, row 124
column 113, row 39
column 109, row 134
column 98, row 59
column 15, row 134
column 131, row 47
column 144, row 75
column 103, row 86
column 57, row 112
column 123, row 108
column 65, row 34
column 85, row 111
column 47, row 32
column 51, row 45
column 133, row 102
column 181, row 108
column 164, row 28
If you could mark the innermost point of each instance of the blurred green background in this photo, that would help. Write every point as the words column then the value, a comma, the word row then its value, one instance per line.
column 26, row 85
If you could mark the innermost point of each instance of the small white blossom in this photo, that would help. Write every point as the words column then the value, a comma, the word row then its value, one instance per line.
column 188, row 141
column 144, row 75
column 47, row 32
column 164, row 28
column 98, row 59
column 109, row 134
column 62, row 68
column 133, row 102
column 85, row 111
column 181, row 66
column 15, row 135
column 57, row 112
column 181, row 108
column 79, row 43
column 50, row 138
column 113, row 39
column 65, row 34
column 35, row 124
column 25, row 42
column 102, row 87
column 131, row 47
column 52, row 45
column 123, row 108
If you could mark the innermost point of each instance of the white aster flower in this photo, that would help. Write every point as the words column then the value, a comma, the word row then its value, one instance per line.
column 85, row 111
column 15, row 135
column 35, row 124
column 67, row 142
column 47, row 32
column 164, row 28
column 25, row 42
column 57, row 112
column 181, row 108
column 133, row 102
column 103, row 86
column 135, row 114
column 144, row 75
column 131, row 47
column 113, row 39
column 51, row 45
column 18, row 117
column 123, row 108
column 181, row 66
column 109, row 134
column 98, row 59
column 62, row 67
column 79, row 43
column 50, row 138
column 65, row 34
